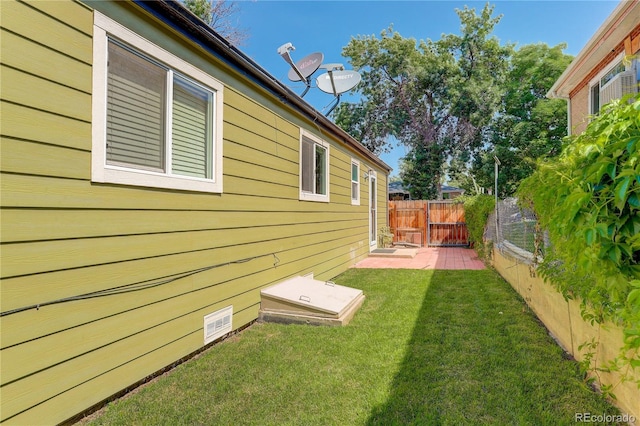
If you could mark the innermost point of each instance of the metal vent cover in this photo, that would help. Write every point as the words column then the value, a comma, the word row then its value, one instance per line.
column 217, row 324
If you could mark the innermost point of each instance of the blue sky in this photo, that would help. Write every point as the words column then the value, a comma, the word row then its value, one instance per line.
column 327, row 26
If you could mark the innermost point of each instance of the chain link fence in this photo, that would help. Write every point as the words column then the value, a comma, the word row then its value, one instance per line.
column 514, row 230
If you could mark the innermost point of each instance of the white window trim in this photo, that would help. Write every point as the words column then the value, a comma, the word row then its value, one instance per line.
column 596, row 80
column 100, row 170
column 309, row 196
column 354, row 201
column 373, row 221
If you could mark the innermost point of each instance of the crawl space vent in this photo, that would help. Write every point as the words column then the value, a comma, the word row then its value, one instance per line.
column 217, row 324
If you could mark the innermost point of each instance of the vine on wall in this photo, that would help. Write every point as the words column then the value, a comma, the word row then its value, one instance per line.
column 589, row 201
column 476, row 211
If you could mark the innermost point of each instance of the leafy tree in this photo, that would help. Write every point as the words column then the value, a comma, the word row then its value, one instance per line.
column 417, row 169
column 529, row 126
column 459, row 174
column 434, row 96
column 217, row 14
column 395, row 178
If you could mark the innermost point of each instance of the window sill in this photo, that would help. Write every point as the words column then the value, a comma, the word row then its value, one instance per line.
column 123, row 176
column 307, row 196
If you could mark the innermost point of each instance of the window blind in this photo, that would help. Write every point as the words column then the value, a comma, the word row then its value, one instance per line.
column 135, row 110
column 191, row 138
column 307, row 165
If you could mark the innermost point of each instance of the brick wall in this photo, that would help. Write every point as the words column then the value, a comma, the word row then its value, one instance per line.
column 579, row 111
column 580, row 94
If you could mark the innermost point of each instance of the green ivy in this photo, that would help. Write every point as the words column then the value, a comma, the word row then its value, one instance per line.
column 589, row 201
column 476, row 211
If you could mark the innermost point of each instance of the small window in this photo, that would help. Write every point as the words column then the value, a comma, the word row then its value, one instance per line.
column 595, row 99
column 314, row 169
column 355, row 182
column 597, row 85
column 157, row 119
column 612, row 73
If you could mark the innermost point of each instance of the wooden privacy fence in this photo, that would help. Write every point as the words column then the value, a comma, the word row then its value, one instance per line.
column 446, row 225
column 433, row 223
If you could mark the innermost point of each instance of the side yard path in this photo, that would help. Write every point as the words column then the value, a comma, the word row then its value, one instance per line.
column 428, row 258
column 427, row 347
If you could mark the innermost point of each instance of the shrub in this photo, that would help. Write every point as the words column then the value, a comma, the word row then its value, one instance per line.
column 589, row 201
column 385, row 236
column 476, row 211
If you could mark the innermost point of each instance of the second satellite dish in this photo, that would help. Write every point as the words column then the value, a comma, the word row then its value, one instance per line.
column 338, row 82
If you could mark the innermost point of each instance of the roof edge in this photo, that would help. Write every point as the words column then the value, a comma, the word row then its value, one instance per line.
column 174, row 12
column 596, row 48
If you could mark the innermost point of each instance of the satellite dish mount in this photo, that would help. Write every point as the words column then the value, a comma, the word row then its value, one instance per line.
column 301, row 70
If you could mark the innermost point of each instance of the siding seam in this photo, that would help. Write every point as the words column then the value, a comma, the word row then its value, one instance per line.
column 58, row 52
column 56, row 19
column 45, row 110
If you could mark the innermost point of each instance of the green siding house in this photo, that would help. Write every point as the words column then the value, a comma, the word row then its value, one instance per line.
column 154, row 179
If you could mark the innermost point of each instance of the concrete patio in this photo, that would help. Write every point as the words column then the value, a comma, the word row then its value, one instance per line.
column 424, row 258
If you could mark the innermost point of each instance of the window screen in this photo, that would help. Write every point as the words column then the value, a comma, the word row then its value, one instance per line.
column 191, row 138
column 321, row 172
column 595, row 99
column 354, row 181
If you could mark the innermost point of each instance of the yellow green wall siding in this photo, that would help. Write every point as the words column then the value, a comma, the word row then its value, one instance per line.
column 64, row 236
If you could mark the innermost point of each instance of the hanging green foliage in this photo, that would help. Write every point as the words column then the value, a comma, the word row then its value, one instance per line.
column 589, row 201
column 477, row 209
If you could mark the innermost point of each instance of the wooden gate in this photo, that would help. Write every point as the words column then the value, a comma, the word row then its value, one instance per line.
column 434, row 223
column 446, row 225
column 408, row 222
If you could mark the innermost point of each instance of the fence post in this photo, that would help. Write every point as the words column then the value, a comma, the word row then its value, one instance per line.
column 395, row 224
column 496, row 164
column 426, row 224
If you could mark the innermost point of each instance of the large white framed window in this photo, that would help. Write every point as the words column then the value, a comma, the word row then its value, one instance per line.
column 598, row 82
column 157, row 120
column 355, row 182
column 314, row 168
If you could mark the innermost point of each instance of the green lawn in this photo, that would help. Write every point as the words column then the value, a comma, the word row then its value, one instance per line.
column 427, row 347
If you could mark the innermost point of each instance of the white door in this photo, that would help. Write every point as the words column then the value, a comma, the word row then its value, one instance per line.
column 373, row 210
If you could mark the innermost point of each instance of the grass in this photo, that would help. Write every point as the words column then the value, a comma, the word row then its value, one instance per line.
column 427, row 347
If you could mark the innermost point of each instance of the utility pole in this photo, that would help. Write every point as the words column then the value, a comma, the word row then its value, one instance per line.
column 496, row 163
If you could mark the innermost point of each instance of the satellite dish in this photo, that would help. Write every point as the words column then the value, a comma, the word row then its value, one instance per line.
column 304, row 68
column 337, row 82
column 307, row 66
